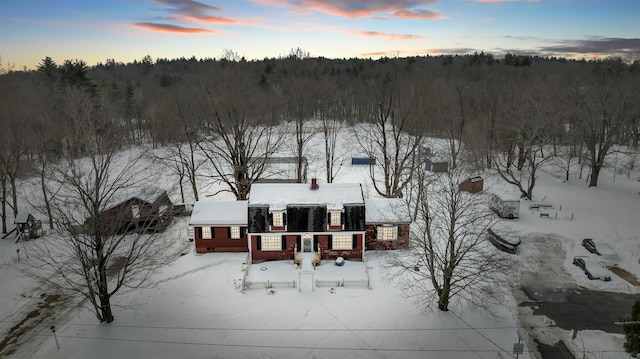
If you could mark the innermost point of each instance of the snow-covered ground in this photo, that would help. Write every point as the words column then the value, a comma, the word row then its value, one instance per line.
column 195, row 307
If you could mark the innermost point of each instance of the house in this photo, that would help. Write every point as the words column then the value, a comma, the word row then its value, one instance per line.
column 326, row 220
column 284, row 221
column 387, row 223
column 220, row 226
column 472, row 184
column 148, row 210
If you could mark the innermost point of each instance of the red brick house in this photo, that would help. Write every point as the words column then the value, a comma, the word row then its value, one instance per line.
column 388, row 221
column 150, row 209
column 286, row 218
column 284, row 221
column 220, row 226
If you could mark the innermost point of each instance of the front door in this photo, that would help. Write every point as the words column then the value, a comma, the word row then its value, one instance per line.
column 307, row 243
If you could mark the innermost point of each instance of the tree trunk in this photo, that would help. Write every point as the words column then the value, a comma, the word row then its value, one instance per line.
column 4, row 206
column 443, row 295
column 45, row 196
column 595, row 172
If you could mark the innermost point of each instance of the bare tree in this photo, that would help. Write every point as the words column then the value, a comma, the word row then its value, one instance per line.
column 183, row 127
column 332, row 116
column 92, row 253
column 301, row 96
column 522, row 137
column 394, row 116
column 240, row 117
column 449, row 259
column 603, row 107
column 13, row 116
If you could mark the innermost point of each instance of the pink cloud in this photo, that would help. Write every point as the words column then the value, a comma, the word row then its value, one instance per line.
column 389, row 36
column 217, row 20
column 355, row 8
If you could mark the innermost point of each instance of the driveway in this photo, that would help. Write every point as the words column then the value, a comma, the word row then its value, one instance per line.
column 547, row 290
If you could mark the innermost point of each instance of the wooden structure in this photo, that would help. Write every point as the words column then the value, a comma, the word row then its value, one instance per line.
column 472, row 184
column 150, row 210
column 27, row 227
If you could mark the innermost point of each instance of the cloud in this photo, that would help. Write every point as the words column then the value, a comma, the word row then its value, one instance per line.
column 217, row 20
column 358, row 8
column 604, row 46
column 389, row 36
column 178, row 12
column 151, row 26
column 187, row 7
column 425, row 14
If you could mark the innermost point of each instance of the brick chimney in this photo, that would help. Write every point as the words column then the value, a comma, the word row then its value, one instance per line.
column 314, row 184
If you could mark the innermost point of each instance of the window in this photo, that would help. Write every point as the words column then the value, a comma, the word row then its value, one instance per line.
column 387, row 233
column 206, row 232
column 278, row 219
column 335, row 219
column 342, row 242
column 235, row 232
column 270, row 243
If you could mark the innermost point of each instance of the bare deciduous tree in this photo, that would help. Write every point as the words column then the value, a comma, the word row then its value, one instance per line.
column 91, row 254
column 393, row 131
column 522, row 137
column 240, row 117
column 184, row 129
column 603, row 106
column 449, row 258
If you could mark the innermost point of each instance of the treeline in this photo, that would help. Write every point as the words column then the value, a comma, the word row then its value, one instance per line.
column 494, row 112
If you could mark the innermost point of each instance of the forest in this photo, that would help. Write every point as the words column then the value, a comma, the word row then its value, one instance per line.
column 508, row 114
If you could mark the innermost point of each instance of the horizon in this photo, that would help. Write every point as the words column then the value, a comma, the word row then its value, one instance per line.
column 127, row 31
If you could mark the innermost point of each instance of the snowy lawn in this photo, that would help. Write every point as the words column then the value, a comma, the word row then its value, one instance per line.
column 195, row 310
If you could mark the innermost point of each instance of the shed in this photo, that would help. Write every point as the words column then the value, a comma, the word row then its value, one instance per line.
column 472, row 184
column 148, row 210
column 27, row 226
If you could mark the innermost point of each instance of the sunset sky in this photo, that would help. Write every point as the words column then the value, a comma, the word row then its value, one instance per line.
column 126, row 30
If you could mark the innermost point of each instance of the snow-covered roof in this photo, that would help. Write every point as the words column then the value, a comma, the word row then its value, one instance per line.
column 386, row 210
column 278, row 195
column 149, row 194
column 219, row 213
column 21, row 218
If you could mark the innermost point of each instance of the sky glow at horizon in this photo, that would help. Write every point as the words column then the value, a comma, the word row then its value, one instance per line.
column 127, row 30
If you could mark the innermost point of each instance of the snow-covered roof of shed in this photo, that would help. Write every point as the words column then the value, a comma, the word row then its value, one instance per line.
column 149, row 194
column 279, row 195
column 386, row 210
column 21, row 218
column 219, row 213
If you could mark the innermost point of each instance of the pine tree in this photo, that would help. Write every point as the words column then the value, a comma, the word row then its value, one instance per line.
column 632, row 330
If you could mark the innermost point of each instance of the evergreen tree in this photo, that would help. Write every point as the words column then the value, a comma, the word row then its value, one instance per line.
column 632, row 330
